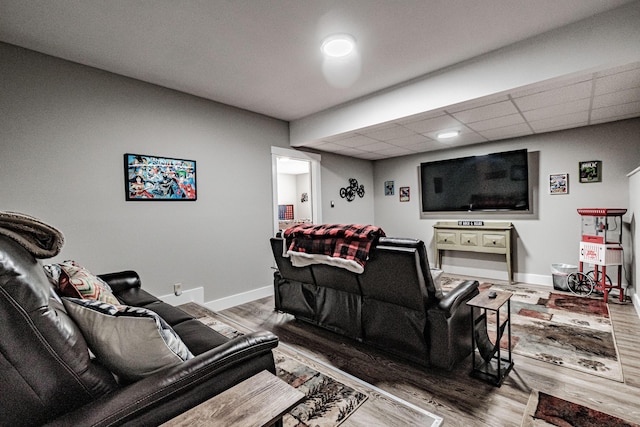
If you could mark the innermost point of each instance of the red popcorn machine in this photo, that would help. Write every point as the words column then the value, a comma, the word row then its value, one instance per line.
column 600, row 246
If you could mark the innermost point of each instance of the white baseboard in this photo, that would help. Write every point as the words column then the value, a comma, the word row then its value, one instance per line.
column 187, row 295
column 535, row 279
column 237, row 299
column 635, row 298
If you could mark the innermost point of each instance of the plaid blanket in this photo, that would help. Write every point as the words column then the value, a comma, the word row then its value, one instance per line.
column 343, row 245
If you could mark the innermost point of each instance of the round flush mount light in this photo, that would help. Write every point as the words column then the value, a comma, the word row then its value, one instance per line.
column 448, row 134
column 338, row 45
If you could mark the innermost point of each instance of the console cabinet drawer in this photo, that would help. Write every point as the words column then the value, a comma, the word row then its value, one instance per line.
column 469, row 239
column 494, row 240
column 447, row 238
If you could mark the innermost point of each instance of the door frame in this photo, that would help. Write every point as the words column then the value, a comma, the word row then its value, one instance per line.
column 315, row 199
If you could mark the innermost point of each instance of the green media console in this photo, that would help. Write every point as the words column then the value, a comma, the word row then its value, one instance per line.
column 474, row 236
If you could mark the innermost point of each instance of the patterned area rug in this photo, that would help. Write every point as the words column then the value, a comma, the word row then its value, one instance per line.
column 546, row 410
column 559, row 328
column 328, row 402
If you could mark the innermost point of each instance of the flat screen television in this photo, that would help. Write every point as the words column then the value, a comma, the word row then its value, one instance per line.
column 493, row 182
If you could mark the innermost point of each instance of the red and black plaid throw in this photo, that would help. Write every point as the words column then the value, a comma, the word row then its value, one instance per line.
column 347, row 241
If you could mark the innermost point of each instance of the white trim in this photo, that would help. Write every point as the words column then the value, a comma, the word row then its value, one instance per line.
column 187, row 295
column 636, row 303
column 316, row 199
column 239, row 299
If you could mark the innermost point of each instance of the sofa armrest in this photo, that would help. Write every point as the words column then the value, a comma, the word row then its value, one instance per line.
column 461, row 294
column 166, row 394
column 450, row 326
column 122, row 280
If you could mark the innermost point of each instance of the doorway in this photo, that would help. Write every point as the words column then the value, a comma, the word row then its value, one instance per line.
column 296, row 188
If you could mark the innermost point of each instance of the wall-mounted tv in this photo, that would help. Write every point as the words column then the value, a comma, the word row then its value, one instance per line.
column 493, row 182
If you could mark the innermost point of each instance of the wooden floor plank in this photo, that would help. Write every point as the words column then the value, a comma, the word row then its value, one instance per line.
column 455, row 396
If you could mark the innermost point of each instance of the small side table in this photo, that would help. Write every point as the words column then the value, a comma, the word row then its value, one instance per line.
column 256, row 402
column 493, row 366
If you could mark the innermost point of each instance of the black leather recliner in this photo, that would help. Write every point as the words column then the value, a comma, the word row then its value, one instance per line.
column 393, row 305
column 47, row 376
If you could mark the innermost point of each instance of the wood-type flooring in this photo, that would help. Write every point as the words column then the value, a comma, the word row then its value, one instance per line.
column 455, row 396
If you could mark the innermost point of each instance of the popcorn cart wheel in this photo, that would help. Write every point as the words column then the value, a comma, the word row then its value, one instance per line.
column 581, row 284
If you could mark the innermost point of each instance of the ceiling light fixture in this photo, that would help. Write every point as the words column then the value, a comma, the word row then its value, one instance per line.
column 448, row 134
column 338, row 45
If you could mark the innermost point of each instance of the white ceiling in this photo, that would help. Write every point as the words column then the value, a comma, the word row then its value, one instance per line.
column 264, row 56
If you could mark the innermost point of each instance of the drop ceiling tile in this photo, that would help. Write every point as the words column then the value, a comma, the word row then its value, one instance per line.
column 558, row 122
column 557, row 110
column 616, row 98
column 414, row 138
column 420, row 116
column 355, row 141
column 377, row 127
column 422, row 146
column 555, row 96
column 391, row 132
column 616, row 82
column 349, row 151
column 476, row 103
column 617, row 112
column 520, row 129
column 465, row 138
column 376, row 146
column 498, row 122
column 485, row 112
column 551, row 84
column 434, row 124
column 429, row 146
column 462, row 128
column 394, row 151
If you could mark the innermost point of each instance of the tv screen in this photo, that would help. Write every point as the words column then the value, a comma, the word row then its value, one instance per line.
column 498, row 181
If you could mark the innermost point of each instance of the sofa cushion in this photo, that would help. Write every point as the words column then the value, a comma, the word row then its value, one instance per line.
column 73, row 280
column 132, row 342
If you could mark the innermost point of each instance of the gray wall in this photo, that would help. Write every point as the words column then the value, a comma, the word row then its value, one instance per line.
column 552, row 233
column 336, row 171
column 63, row 131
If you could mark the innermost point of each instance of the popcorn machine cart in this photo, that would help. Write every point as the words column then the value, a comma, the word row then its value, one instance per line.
column 601, row 245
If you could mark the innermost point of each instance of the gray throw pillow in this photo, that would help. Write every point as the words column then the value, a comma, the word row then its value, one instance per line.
column 132, row 342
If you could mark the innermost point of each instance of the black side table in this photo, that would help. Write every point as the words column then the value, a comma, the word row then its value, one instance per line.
column 493, row 366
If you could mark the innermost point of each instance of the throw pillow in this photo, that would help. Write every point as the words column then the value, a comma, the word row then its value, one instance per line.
column 133, row 342
column 73, row 280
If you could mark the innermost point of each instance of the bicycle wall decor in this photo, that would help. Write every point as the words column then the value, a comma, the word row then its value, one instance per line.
column 350, row 192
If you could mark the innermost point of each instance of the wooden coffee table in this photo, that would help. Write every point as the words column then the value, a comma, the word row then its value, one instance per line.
column 256, row 402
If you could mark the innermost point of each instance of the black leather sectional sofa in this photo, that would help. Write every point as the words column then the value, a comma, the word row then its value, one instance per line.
column 47, row 375
column 394, row 305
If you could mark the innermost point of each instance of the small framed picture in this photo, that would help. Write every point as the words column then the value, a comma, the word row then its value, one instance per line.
column 591, row 171
column 559, row 183
column 389, row 188
column 404, row 194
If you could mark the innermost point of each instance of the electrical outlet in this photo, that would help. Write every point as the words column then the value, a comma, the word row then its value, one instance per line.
column 177, row 289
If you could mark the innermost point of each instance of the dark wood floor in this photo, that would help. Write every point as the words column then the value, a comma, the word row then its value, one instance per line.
column 455, row 396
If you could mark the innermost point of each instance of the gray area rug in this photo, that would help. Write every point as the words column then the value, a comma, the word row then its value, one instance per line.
column 559, row 328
